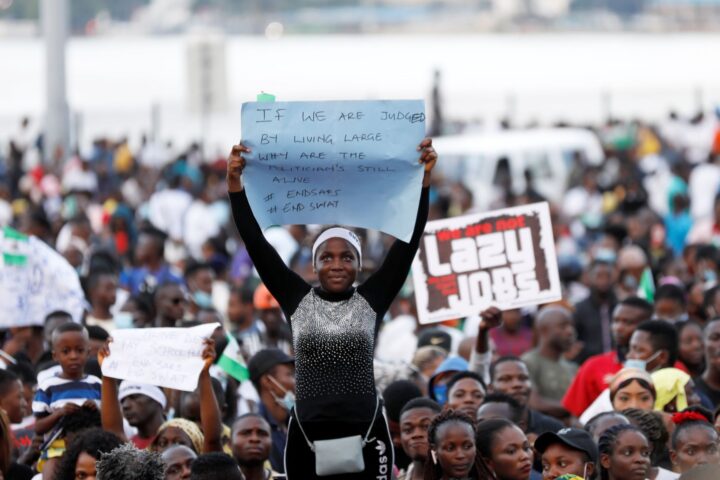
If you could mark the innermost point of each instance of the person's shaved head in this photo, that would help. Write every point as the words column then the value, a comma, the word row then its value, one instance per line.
column 632, row 257
column 549, row 316
column 178, row 461
column 556, row 327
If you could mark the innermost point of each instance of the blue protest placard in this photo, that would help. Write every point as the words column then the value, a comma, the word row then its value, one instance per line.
column 339, row 162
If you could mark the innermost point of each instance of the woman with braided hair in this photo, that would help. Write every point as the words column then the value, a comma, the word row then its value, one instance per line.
column 624, row 453
column 694, row 441
column 653, row 427
column 453, row 454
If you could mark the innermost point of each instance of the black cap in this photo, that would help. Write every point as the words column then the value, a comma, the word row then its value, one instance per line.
column 396, row 395
column 264, row 360
column 435, row 337
column 574, row 438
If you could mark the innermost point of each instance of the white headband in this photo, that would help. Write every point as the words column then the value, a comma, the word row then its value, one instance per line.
column 337, row 232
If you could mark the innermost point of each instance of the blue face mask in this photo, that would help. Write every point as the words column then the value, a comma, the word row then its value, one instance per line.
column 635, row 363
column 202, row 299
column 606, row 255
column 630, row 282
column 123, row 320
column 288, row 400
column 640, row 364
column 440, row 392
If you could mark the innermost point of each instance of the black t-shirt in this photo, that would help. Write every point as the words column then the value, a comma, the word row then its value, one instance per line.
column 19, row 472
column 540, row 423
column 705, row 389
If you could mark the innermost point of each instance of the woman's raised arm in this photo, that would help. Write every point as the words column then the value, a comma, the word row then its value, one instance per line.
column 287, row 287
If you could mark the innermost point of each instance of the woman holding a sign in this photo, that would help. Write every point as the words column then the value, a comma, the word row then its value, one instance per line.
column 337, row 429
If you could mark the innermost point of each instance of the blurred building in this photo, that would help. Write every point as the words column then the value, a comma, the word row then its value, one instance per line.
column 687, row 13
column 550, row 8
column 163, row 16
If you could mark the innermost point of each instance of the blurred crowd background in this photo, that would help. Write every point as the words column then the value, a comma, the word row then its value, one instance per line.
column 125, row 179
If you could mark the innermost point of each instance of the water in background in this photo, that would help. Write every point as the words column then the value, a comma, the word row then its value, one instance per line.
column 113, row 82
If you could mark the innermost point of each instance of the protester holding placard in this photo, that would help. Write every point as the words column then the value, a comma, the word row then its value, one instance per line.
column 207, row 440
column 143, row 407
column 486, row 277
column 334, row 328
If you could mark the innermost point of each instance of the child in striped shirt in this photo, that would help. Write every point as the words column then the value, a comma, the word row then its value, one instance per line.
column 70, row 388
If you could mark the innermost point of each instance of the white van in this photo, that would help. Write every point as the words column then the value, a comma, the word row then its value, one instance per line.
column 547, row 153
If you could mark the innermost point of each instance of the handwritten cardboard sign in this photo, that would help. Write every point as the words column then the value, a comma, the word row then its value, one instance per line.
column 35, row 281
column 166, row 357
column 504, row 258
column 341, row 162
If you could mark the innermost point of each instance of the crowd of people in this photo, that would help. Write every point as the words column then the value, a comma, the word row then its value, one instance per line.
column 618, row 380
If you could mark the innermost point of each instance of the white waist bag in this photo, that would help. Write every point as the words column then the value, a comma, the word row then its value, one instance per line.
column 339, row 455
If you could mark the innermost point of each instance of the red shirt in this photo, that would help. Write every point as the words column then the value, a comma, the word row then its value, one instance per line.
column 592, row 378
column 513, row 345
column 141, row 443
column 589, row 382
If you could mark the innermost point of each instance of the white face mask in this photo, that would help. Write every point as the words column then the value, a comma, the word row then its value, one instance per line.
column 288, row 399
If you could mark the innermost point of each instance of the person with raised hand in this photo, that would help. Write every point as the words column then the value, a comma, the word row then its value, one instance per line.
column 172, row 432
column 334, row 327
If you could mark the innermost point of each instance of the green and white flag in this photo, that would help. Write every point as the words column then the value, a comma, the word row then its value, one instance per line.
column 646, row 289
column 232, row 361
column 16, row 248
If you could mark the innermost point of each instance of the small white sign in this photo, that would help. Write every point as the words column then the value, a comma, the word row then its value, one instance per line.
column 166, row 357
